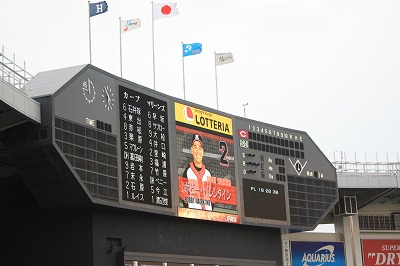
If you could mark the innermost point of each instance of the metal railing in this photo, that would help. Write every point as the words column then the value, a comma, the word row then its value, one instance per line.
column 366, row 163
column 13, row 69
column 378, row 222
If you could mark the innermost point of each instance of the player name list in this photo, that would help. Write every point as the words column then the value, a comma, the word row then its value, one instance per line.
column 144, row 149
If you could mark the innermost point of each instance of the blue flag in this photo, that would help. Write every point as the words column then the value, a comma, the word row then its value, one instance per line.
column 192, row 49
column 98, row 8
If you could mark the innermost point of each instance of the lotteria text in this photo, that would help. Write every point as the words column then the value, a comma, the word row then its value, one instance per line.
column 212, row 124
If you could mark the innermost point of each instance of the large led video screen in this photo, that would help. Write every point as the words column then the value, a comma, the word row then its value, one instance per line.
column 206, row 166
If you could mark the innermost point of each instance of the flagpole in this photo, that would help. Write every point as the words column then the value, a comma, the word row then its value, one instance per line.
column 120, row 46
column 216, row 79
column 152, row 35
column 183, row 71
column 90, row 37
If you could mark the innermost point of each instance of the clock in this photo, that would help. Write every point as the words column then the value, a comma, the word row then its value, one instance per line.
column 88, row 90
column 108, row 98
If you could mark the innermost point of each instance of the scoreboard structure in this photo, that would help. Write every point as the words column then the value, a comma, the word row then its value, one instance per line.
column 132, row 147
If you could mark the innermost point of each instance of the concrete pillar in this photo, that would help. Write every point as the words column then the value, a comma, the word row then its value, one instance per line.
column 348, row 228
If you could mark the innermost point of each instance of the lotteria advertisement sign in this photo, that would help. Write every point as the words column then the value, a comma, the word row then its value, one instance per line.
column 381, row 252
column 317, row 253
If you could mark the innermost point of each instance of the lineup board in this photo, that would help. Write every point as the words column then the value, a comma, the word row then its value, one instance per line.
column 254, row 173
column 145, row 161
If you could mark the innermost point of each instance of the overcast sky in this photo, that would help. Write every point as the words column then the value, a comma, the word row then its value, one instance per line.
column 330, row 68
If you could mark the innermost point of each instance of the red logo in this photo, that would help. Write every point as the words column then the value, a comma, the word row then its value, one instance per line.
column 243, row 134
column 188, row 112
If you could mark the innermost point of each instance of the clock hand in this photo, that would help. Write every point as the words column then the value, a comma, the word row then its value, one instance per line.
column 108, row 96
column 89, row 82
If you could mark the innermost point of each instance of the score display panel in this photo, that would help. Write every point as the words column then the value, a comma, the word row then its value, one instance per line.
column 253, row 173
column 284, row 172
column 262, row 171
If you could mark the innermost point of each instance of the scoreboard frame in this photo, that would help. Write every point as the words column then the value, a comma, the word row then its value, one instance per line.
column 276, row 165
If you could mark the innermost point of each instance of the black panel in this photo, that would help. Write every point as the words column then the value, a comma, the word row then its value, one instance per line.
column 309, row 198
column 145, row 162
column 93, row 154
column 264, row 200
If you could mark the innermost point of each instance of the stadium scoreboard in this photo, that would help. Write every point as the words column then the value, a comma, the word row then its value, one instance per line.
column 140, row 153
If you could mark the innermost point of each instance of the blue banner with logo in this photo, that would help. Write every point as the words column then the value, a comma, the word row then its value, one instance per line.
column 317, row 253
column 191, row 49
column 98, row 8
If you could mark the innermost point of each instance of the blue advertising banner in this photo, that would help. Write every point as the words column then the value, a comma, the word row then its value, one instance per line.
column 317, row 253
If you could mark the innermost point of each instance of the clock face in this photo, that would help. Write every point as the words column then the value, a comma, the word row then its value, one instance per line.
column 108, row 98
column 88, row 90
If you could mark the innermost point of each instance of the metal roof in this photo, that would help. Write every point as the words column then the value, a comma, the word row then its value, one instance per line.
column 48, row 82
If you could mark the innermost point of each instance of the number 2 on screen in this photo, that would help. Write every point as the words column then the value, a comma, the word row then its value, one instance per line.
column 223, row 147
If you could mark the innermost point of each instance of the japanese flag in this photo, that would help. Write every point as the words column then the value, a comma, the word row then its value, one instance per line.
column 164, row 10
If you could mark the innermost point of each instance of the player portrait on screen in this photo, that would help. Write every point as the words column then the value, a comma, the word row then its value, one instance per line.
column 206, row 168
column 197, row 172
